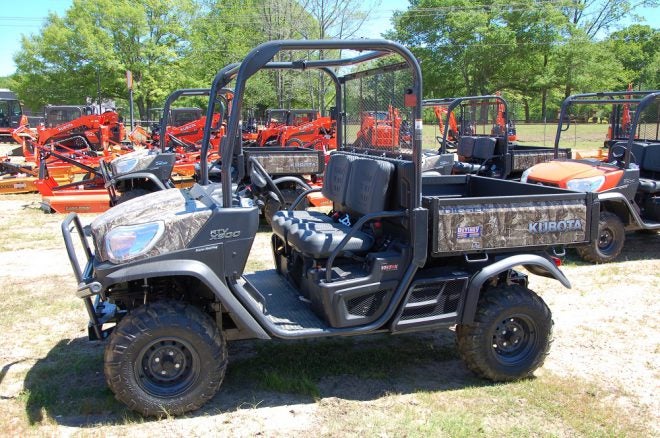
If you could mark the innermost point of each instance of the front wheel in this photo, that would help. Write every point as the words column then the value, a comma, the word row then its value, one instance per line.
column 510, row 336
column 165, row 358
column 608, row 246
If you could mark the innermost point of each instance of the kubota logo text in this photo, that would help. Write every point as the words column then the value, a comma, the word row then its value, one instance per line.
column 555, row 226
column 224, row 233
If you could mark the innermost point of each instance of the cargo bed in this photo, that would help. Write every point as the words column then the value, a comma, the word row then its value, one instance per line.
column 471, row 214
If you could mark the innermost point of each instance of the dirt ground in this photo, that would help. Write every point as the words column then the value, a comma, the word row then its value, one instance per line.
column 607, row 331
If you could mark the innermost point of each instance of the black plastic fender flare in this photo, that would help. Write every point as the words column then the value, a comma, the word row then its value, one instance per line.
column 199, row 270
column 536, row 264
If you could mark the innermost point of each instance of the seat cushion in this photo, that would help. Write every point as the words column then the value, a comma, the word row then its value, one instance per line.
column 319, row 244
column 283, row 220
column 650, row 186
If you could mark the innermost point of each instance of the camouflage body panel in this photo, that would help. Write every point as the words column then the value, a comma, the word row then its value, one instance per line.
column 523, row 160
column 477, row 227
column 291, row 163
column 182, row 217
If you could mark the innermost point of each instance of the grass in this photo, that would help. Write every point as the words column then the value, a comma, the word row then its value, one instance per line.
column 52, row 383
column 584, row 136
column 546, row 406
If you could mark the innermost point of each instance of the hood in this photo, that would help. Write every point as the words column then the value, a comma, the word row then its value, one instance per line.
column 181, row 216
column 558, row 173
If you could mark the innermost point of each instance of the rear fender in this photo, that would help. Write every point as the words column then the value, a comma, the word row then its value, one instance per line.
column 534, row 263
column 199, row 270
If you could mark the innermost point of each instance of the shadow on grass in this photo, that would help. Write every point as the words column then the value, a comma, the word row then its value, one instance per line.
column 68, row 385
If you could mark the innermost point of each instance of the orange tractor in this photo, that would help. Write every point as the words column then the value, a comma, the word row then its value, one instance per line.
column 278, row 120
column 627, row 182
column 90, row 131
column 382, row 129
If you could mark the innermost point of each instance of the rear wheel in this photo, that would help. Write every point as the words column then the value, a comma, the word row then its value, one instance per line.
column 608, row 246
column 510, row 336
column 165, row 358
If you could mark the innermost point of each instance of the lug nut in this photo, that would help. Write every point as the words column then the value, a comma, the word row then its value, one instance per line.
column 157, row 360
column 163, row 372
column 177, row 366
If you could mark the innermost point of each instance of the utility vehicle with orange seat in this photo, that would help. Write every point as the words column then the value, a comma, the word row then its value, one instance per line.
column 482, row 146
column 165, row 282
column 627, row 183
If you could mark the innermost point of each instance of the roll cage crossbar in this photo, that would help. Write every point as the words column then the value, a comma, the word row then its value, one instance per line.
column 452, row 102
column 260, row 58
column 642, row 99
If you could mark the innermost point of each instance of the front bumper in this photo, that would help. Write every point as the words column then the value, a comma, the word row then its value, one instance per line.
column 100, row 311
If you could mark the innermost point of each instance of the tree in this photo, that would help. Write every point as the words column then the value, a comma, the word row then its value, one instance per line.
column 637, row 47
column 102, row 39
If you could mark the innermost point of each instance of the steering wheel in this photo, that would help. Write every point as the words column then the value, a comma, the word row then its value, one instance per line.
column 449, row 144
column 260, row 178
column 618, row 152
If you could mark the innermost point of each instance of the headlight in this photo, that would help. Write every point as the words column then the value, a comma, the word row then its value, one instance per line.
column 525, row 174
column 128, row 162
column 127, row 242
column 586, row 184
column 124, row 166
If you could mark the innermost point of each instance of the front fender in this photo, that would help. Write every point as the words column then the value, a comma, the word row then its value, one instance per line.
column 199, row 270
column 535, row 264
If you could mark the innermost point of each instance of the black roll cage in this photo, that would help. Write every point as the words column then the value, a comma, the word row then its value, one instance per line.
column 606, row 98
column 452, row 102
column 260, row 58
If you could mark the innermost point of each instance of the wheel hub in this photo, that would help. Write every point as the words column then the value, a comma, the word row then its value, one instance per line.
column 605, row 238
column 167, row 367
column 514, row 339
column 508, row 335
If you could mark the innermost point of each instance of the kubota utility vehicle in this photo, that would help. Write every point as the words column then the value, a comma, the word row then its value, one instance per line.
column 483, row 148
column 628, row 183
column 400, row 252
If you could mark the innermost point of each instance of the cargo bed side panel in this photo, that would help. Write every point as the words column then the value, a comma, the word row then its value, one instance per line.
column 461, row 227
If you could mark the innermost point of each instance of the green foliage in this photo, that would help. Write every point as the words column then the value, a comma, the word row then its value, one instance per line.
column 536, row 52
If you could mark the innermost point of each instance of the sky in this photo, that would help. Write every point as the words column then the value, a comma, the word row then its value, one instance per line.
column 27, row 16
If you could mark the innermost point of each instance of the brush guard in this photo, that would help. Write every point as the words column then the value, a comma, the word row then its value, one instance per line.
column 100, row 312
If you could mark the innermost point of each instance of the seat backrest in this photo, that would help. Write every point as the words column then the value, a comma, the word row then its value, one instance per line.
column 368, row 186
column 484, row 148
column 465, row 146
column 651, row 161
column 335, row 179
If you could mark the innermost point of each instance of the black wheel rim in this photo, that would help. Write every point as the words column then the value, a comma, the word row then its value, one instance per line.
column 605, row 239
column 514, row 339
column 167, row 367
